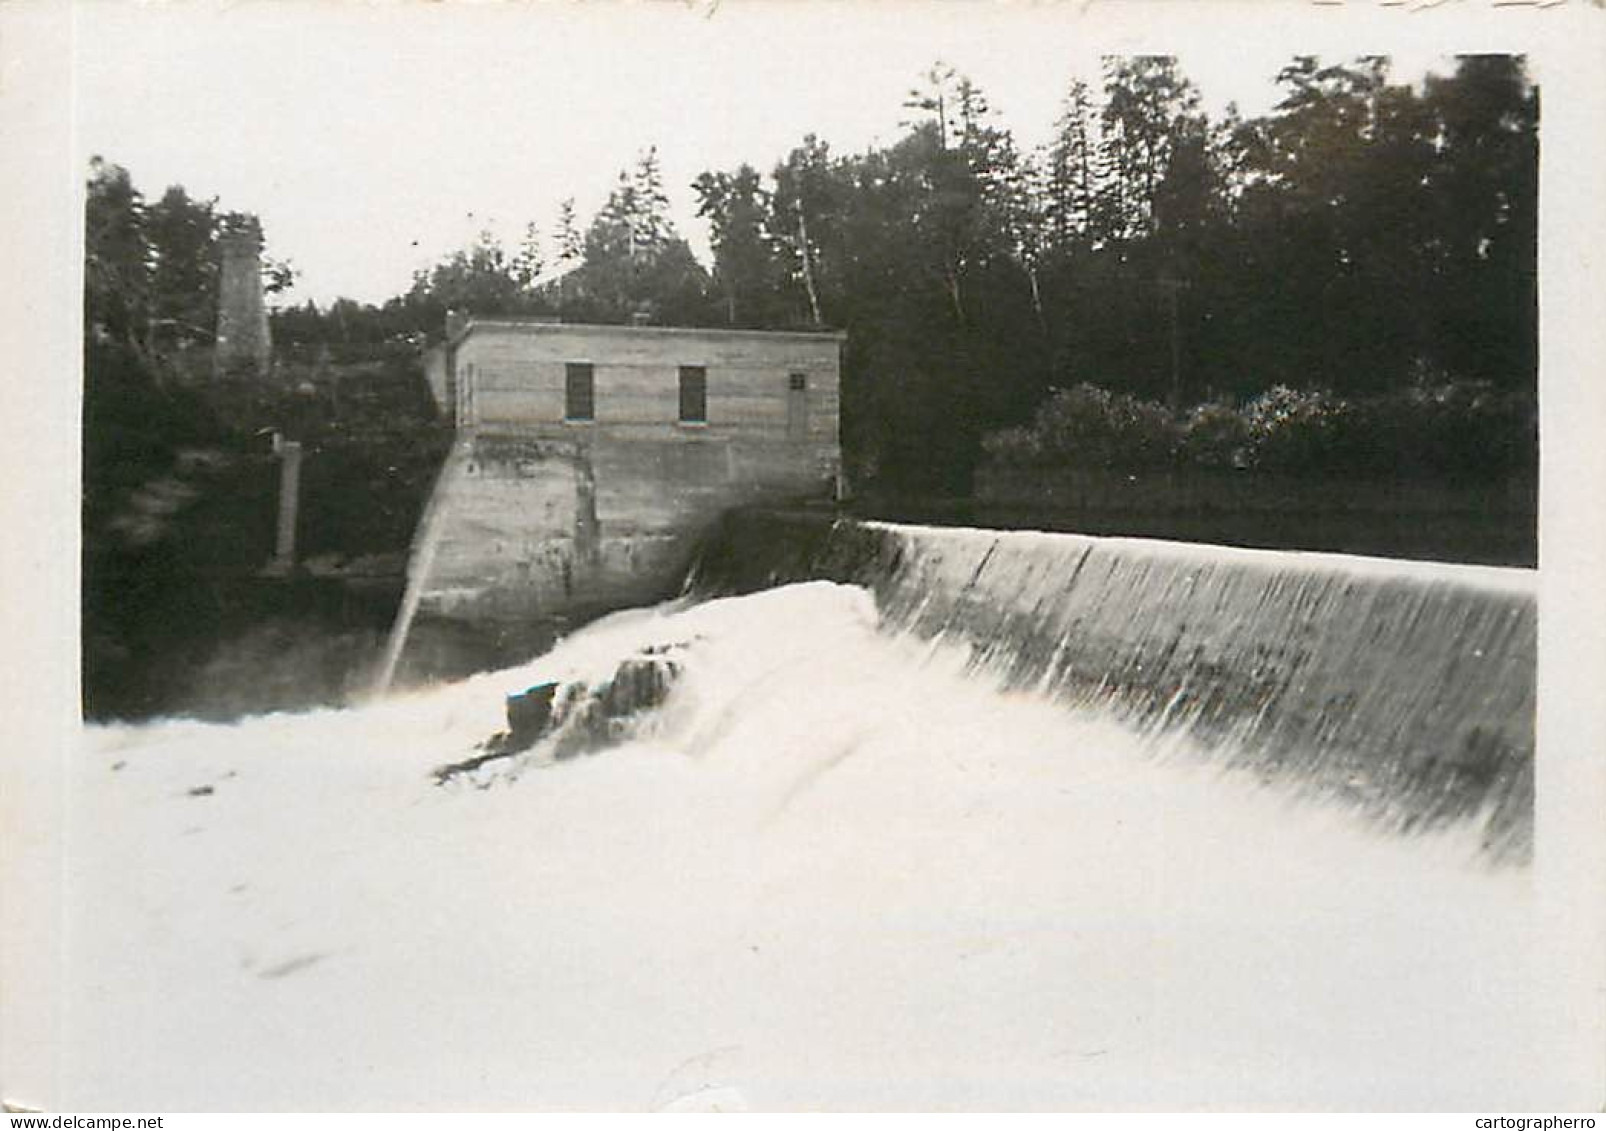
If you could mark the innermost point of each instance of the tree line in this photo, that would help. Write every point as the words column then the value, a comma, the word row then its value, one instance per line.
column 151, row 270
column 1363, row 238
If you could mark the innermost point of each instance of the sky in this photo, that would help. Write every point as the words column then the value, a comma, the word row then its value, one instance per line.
column 375, row 139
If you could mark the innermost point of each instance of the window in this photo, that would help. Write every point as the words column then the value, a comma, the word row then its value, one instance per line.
column 579, row 392
column 797, row 406
column 693, row 394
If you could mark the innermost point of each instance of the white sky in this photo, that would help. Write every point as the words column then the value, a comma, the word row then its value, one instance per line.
column 373, row 139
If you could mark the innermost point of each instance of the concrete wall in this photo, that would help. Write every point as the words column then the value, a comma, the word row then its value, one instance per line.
column 537, row 518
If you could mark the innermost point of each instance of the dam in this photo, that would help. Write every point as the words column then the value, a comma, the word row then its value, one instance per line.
column 927, row 819
column 599, row 468
column 827, row 814
column 1406, row 689
column 833, row 814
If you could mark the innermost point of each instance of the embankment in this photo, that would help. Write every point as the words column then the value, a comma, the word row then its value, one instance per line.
column 1403, row 689
column 180, row 516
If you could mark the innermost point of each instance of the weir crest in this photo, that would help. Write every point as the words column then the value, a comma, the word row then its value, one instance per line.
column 1403, row 689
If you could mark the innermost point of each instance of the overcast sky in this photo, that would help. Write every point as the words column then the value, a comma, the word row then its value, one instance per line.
column 372, row 140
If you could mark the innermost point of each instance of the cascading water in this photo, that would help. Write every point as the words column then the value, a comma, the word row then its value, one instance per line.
column 425, row 543
column 851, row 850
column 1404, row 688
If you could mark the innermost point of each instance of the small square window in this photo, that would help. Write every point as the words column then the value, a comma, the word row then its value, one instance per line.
column 579, row 392
column 693, row 394
column 797, row 382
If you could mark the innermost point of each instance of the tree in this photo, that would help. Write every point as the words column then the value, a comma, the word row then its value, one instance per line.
column 934, row 97
column 800, row 201
column 528, row 264
column 278, row 275
column 571, row 245
column 651, row 227
column 1070, row 192
column 181, row 235
column 949, row 221
column 1009, row 217
column 116, row 258
column 746, row 273
column 1148, row 104
column 1484, row 204
column 633, row 261
column 151, row 272
column 481, row 279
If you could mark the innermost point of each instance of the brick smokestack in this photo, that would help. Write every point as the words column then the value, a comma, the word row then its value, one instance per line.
column 244, row 343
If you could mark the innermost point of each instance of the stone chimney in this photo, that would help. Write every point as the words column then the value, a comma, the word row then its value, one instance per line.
column 244, row 343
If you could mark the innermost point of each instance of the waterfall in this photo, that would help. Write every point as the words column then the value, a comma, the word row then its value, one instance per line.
column 782, row 848
column 1405, row 689
column 420, row 563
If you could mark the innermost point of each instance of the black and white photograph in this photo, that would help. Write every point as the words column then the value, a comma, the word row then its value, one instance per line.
column 740, row 557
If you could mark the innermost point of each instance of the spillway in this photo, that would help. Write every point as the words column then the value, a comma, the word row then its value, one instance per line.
column 1002, row 821
column 1403, row 689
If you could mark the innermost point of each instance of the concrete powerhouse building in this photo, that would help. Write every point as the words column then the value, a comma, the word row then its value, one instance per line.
column 589, row 458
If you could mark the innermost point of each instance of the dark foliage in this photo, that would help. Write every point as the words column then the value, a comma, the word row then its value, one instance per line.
column 1362, row 233
column 1447, row 432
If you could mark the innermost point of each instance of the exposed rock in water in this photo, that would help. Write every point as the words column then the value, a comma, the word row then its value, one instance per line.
column 528, row 714
column 590, row 718
column 577, row 717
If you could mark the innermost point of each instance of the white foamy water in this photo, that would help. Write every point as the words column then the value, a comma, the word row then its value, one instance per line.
column 832, row 872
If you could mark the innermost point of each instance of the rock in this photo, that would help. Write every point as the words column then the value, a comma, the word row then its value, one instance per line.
column 529, row 713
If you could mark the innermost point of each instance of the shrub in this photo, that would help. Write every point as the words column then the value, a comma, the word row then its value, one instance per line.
column 1458, row 430
column 1439, row 429
column 1215, row 435
column 1090, row 427
column 1014, row 447
column 1297, row 431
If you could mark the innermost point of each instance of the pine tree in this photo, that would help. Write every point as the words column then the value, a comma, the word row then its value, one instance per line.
column 1147, row 104
column 571, row 244
column 634, row 262
column 1071, row 189
column 528, row 263
column 650, row 206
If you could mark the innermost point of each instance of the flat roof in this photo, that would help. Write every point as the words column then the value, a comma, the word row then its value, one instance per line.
column 522, row 326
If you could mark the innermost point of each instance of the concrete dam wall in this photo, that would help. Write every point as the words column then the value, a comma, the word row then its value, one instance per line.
column 527, row 536
column 590, row 459
column 1403, row 689
column 524, row 528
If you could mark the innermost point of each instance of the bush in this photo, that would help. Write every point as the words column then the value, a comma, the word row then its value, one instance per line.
column 1443, row 430
column 1014, row 447
column 1217, row 436
column 1291, row 430
column 1458, row 430
column 1089, row 427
